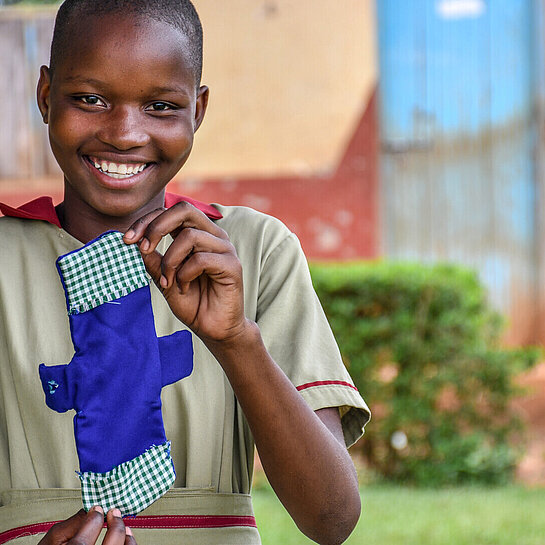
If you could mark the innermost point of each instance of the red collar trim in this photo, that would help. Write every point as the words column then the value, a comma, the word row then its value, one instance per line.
column 213, row 213
column 42, row 208
column 39, row 209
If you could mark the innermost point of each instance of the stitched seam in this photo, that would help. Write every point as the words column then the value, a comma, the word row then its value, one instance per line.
column 289, row 236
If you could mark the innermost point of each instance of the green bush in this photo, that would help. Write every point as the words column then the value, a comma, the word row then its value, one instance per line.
column 423, row 347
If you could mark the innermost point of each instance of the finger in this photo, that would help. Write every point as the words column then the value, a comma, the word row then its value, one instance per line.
column 173, row 220
column 116, row 533
column 219, row 267
column 135, row 232
column 91, row 527
column 152, row 263
column 129, row 538
column 65, row 530
column 188, row 242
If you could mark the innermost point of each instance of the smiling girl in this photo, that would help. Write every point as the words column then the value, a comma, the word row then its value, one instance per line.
column 122, row 99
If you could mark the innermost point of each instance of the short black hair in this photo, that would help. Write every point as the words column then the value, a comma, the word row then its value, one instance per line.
column 181, row 14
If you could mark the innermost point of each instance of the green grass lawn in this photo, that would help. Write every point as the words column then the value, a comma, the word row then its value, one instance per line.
column 403, row 516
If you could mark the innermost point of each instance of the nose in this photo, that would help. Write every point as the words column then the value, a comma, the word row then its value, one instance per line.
column 123, row 128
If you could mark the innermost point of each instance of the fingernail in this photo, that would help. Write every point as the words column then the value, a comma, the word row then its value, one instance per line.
column 128, row 531
column 116, row 512
column 97, row 508
column 163, row 281
column 144, row 245
column 129, row 233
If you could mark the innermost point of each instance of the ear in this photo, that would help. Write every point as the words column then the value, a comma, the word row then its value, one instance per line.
column 42, row 92
column 202, row 103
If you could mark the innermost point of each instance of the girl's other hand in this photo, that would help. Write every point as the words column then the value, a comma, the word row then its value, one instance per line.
column 84, row 529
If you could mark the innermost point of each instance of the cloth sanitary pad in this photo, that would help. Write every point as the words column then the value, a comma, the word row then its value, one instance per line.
column 115, row 378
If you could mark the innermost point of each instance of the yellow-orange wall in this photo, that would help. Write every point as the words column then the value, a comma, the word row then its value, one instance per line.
column 289, row 81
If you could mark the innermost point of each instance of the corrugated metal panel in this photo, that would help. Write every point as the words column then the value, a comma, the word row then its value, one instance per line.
column 539, row 85
column 457, row 82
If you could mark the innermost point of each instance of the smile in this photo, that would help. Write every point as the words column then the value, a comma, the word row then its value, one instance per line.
column 118, row 171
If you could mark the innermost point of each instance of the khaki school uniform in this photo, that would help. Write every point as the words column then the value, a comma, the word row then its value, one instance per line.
column 212, row 446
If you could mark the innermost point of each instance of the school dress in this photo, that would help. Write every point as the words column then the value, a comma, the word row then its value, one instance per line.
column 211, row 444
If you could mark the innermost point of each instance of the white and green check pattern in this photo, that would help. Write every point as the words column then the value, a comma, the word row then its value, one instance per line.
column 101, row 271
column 131, row 486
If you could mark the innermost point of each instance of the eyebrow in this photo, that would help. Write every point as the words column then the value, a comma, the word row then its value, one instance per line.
column 100, row 84
column 166, row 90
column 81, row 79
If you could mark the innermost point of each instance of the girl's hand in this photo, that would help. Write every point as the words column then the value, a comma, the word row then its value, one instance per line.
column 200, row 275
column 84, row 528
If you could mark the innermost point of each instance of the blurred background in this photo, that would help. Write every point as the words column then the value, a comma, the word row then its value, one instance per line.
column 402, row 141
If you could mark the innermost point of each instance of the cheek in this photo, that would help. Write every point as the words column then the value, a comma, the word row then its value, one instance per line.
column 175, row 140
column 66, row 132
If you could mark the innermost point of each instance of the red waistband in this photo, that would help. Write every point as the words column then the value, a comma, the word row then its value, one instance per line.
column 151, row 522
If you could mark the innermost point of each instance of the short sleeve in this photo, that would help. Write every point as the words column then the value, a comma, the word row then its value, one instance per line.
column 299, row 339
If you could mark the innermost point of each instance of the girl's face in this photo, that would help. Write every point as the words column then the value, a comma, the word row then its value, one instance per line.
column 122, row 107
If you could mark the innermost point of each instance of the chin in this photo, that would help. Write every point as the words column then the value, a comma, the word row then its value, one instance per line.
column 117, row 212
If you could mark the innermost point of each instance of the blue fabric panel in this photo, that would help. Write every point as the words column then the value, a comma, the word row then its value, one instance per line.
column 176, row 352
column 57, row 387
column 118, row 397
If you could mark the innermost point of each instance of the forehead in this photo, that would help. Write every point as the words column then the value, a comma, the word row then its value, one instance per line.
column 126, row 46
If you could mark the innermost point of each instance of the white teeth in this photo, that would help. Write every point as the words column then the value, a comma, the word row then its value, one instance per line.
column 117, row 170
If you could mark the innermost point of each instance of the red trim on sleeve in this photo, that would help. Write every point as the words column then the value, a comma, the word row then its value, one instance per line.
column 326, row 383
column 42, row 208
column 151, row 522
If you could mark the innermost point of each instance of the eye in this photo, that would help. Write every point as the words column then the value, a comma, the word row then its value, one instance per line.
column 90, row 100
column 161, row 107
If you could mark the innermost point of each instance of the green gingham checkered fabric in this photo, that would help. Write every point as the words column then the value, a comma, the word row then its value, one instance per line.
column 103, row 270
column 131, row 486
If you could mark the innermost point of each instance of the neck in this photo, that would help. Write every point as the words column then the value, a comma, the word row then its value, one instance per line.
column 85, row 223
